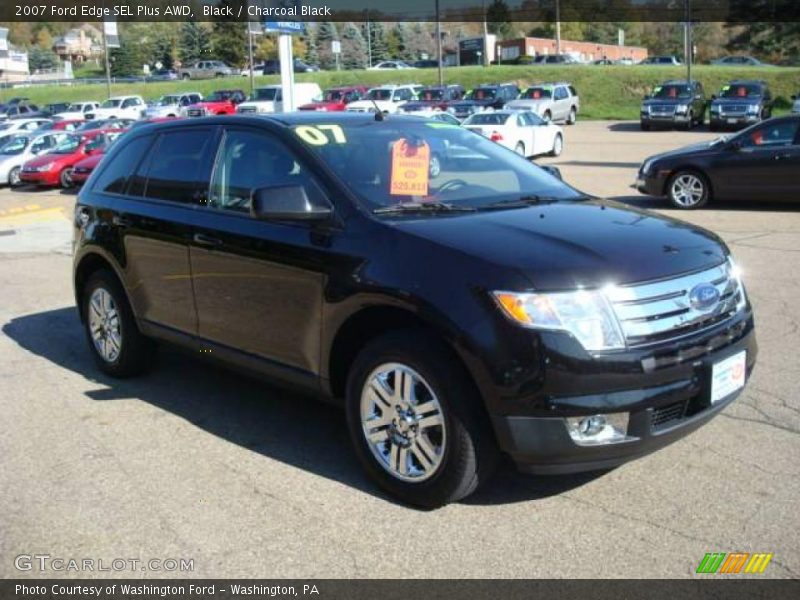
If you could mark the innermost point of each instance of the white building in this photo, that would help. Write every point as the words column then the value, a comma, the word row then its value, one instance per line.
column 13, row 63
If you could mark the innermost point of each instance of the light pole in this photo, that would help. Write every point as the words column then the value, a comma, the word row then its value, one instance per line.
column 439, row 45
column 688, row 43
column 558, row 26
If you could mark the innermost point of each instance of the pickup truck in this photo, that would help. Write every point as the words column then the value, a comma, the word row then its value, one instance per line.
column 207, row 69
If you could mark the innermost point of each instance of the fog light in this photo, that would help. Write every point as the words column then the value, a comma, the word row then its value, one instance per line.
column 595, row 430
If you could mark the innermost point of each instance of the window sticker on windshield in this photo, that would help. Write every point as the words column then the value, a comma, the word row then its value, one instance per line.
column 657, row 89
column 321, row 134
column 725, row 88
column 410, row 164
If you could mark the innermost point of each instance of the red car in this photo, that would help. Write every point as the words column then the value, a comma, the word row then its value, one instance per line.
column 221, row 102
column 65, row 125
column 55, row 167
column 336, row 99
column 83, row 168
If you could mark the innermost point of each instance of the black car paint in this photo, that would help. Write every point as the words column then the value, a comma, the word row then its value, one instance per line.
column 734, row 173
column 285, row 300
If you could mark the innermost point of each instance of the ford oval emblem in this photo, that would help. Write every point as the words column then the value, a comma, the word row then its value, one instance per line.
column 704, row 296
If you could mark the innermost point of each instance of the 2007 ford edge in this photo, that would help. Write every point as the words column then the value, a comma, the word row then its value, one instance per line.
column 480, row 308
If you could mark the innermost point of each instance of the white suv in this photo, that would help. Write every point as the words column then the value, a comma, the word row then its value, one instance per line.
column 119, row 107
column 76, row 111
column 388, row 99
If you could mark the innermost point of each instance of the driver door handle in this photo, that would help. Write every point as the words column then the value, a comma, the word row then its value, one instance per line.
column 206, row 240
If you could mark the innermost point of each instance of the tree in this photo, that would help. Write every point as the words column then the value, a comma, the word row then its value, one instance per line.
column 354, row 48
column 402, row 35
column 312, row 50
column 194, row 43
column 377, row 40
column 229, row 37
column 326, row 33
column 41, row 58
column 126, row 60
column 498, row 19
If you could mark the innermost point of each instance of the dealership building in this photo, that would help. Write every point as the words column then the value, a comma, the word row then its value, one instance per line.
column 508, row 50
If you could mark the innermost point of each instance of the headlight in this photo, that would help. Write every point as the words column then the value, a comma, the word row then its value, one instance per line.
column 43, row 168
column 647, row 165
column 587, row 315
column 736, row 275
column 645, row 109
column 714, row 108
column 753, row 109
column 451, row 110
column 681, row 109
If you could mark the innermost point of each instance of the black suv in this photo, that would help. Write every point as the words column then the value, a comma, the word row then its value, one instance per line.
column 492, row 95
column 674, row 103
column 740, row 103
column 493, row 309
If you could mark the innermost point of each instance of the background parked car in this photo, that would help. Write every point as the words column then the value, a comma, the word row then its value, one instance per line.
column 170, row 105
column 100, row 146
column 524, row 132
column 389, row 65
column 20, row 111
column 64, row 125
column 22, row 147
column 48, row 110
column 119, row 107
column 219, row 102
column 796, row 105
column 426, row 64
column 760, row 163
column 387, row 98
column 552, row 101
column 662, row 61
column 269, row 99
column 555, row 59
column 738, row 61
column 54, row 167
column 336, row 99
column 434, row 98
column 207, row 69
column 273, row 67
column 96, row 124
column 740, row 103
column 20, row 125
column 164, row 75
column 674, row 103
column 77, row 110
column 490, row 96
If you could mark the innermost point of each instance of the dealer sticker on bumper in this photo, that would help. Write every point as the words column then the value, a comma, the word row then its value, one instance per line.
column 727, row 376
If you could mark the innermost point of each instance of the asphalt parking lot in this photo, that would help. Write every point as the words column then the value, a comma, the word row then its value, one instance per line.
column 194, row 462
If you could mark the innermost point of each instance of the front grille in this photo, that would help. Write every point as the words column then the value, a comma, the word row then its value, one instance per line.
column 662, row 109
column 246, row 109
column 733, row 109
column 662, row 310
column 667, row 415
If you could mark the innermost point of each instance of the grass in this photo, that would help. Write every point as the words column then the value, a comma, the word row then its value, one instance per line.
column 607, row 92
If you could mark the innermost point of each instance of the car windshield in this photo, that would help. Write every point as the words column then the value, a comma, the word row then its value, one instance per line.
column 168, row 100
column 487, row 119
column 380, row 94
column 16, row 145
column 672, row 91
column 266, row 94
column 741, row 91
column 111, row 103
column 482, row 94
column 68, row 145
column 388, row 163
column 535, row 93
column 431, row 95
column 334, row 96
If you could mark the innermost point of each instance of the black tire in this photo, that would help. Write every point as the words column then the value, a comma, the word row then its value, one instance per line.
column 547, row 116
column 65, row 179
column 644, row 126
column 136, row 351
column 435, row 166
column 13, row 177
column 572, row 118
column 185, row 77
column 558, row 145
column 520, row 149
column 470, row 454
column 690, row 123
column 705, row 194
column 713, row 126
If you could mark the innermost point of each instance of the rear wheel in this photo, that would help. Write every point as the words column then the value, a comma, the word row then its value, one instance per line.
column 13, row 177
column 520, row 149
column 119, row 349
column 416, row 420
column 558, row 145
column 572, row 118
column 688, row 190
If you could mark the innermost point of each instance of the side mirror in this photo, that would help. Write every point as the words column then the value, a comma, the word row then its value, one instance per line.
column 554, row 171
column 290, row 203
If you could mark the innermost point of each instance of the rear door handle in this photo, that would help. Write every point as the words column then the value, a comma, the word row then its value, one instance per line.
column 207, row 240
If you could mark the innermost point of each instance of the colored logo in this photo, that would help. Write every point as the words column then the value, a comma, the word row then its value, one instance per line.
column 704, row 296
column 733, row 563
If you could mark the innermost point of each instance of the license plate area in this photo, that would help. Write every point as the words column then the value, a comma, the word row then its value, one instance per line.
column 728, row 376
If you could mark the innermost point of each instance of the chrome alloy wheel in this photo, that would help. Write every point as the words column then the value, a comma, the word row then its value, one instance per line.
column 104, row 325
column 687, row 190
column 403, row 422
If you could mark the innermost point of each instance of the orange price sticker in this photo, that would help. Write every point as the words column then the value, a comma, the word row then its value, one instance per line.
column 410, row 166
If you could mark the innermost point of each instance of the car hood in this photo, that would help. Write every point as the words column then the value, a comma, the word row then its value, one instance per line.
column 729, row 101
column 210, row 104
column 690, row 150
column 323, row 105
column 564, row 245
column 527, row 103
column 382, row 104
column 45, row 159
column 466, row 103
column 161, row 110
column 668, row 101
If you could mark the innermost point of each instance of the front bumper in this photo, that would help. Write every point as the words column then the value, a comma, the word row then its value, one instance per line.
column 666, row 393
column 652, row 184
column 667, row 120
column 735, row 121
column 49, row 178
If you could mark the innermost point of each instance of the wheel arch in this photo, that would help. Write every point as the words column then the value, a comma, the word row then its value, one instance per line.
column 90, row 263
column 688, row 167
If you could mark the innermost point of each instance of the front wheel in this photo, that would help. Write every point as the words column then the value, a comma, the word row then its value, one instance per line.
column 688, row 190
column 65, row 178
column 572, row 118
column 416, row 420
column 558, row 145
column 185, row 77
column 547, row 116
column 13, row 177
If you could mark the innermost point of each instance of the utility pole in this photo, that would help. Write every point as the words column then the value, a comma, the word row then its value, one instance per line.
column 250, row 58
column 108, row 64
column 369, row 41
column 485, row 36
column 439, row 44
column 558, row 26
column 688, row 43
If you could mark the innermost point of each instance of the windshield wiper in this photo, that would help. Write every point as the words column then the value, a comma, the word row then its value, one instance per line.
column 421, row 207
column 526, row 200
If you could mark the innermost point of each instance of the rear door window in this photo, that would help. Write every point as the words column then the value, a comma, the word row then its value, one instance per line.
column 178, row 168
